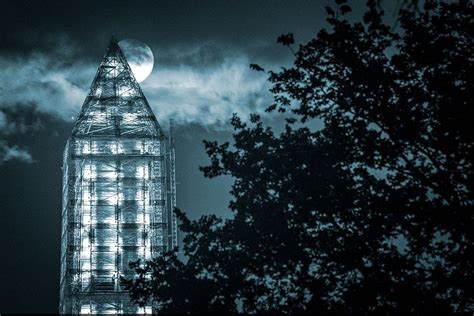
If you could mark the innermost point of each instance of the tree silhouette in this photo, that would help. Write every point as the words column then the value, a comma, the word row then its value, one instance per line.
column 370, row 212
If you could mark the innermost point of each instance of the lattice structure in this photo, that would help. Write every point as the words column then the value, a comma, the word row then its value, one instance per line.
column 118, row 194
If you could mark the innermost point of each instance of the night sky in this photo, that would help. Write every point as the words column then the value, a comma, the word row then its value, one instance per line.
column 49, row 52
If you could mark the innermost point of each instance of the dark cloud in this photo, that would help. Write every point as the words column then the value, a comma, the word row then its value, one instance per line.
column 159, row 23
column 14, row 152
column 46, row 80
column 13, row 123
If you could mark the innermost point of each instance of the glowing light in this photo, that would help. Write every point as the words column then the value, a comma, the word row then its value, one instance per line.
column 86, row 197
column 109, row 220
column 109, row 175
column 115, row 199
column 89, row 172
column 85, row 309
column 130, row 117
column 98, row 117
column 145, row 310
column 142, row 172
column 98, row 91
column 145, row 218
column 116, row 148
column 125, row 91
column 86, row 148
column 85, row 265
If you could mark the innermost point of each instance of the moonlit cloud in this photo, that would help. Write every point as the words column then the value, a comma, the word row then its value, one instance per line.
column 14, row 153
column 8, row 151
column 206, row 94
column 9, row 128
column 43, row 80
column 189, row 86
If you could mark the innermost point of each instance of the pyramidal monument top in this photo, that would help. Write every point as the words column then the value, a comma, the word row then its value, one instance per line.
column 115, row 104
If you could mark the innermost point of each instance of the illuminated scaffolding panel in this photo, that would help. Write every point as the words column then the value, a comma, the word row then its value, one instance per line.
column 119, row 191
column 171, row 187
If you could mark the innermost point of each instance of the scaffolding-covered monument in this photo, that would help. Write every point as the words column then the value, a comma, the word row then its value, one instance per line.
column 118, row 192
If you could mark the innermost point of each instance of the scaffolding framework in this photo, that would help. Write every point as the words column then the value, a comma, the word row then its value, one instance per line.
column 119, row 191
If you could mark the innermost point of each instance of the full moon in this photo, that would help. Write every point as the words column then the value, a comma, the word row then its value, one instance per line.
column 139, row 57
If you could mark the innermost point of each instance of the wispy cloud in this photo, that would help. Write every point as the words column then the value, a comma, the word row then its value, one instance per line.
column 14, row 153
column 200, row 85
column 11, row 127
column 207, row 95
column 43, row 80
column 57, row 82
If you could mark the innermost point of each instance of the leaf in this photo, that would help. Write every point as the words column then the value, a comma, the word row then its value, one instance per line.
column 256, row 67
column 345, row 9
column 271, row 108
column 286, row 39
column 330, row 11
